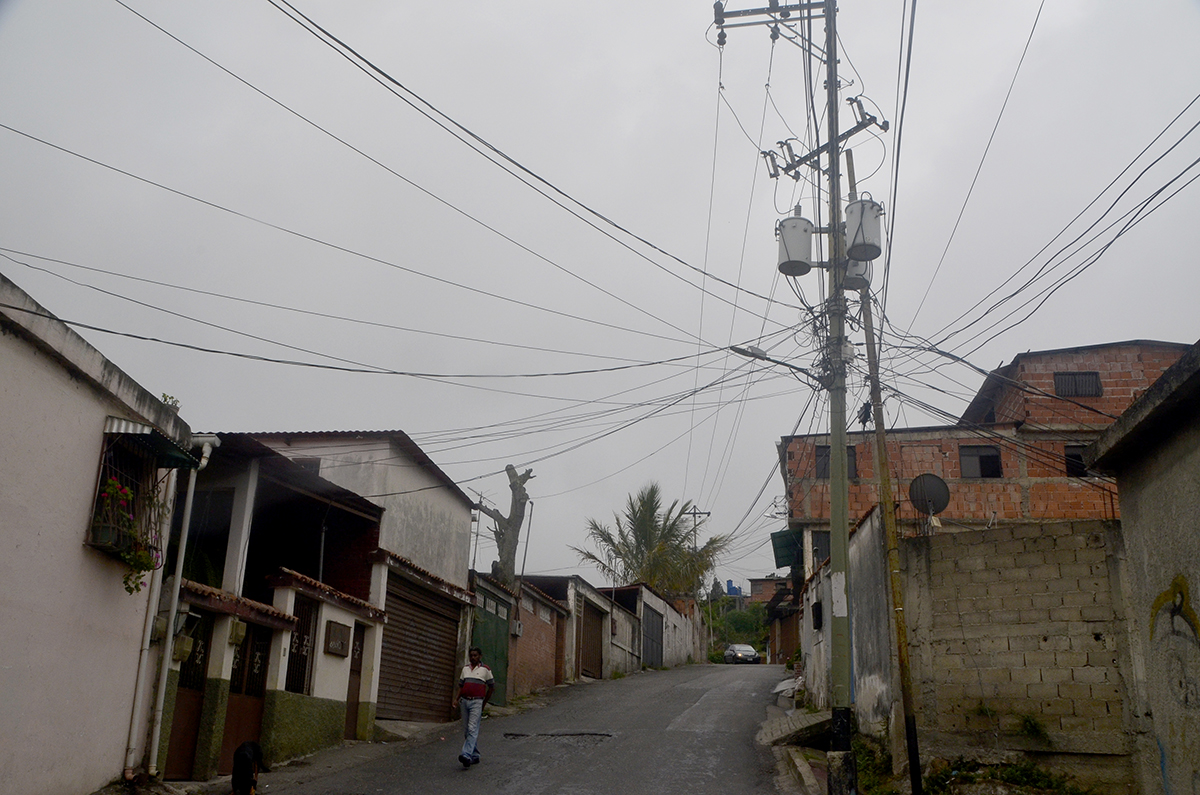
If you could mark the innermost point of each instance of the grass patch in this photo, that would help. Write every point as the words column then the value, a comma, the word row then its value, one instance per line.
column 618, row 674
column 1018, row 774
column 1031, row 727
column 874, row 766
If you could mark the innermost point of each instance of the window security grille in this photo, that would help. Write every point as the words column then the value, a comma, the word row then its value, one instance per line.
column 1081, row 384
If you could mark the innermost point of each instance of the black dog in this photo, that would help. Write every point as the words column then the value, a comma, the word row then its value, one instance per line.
column 247, row 761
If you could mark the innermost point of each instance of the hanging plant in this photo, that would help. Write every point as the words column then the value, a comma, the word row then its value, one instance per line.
column 125, row 523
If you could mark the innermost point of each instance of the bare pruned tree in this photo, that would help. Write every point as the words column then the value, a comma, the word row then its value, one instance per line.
column 508, row 528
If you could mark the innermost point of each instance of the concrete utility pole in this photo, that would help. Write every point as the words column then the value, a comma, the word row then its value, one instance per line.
column 842, row 776
column 887, row 509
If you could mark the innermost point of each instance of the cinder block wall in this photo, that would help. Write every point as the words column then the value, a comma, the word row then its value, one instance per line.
column 1018, row 627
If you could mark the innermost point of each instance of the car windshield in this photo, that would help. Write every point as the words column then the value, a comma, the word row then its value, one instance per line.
column 741, row 647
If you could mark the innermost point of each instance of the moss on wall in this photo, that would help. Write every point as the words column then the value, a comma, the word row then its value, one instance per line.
column 212, row 729
column 366, row 721
column 168, row 718
column 295, row 725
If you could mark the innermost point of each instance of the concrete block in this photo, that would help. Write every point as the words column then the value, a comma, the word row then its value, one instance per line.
column 1061, row 556
column 1057, row 675
column 1012, row 660
column 1024, row 643
column 1057, row 706
column 994, row 675
column 1041, row 692
column 1091, row 708
column 1040, row 659
column 1026, row 676
column 1034, row 616
column 1112, row 693
column 1045, row 571
column 1067, row 613
column 1030, row 559
column 1073, row 723
column 1097, row 613
column 1010, row 547
column 1075, row 690
column 1014, row 601
column 998, row 534
column 1054, row 643
column 1095, row 675
column 1078, row 598
column 1070, row 659
column 985, row 575
column 1043, row 543
column 1047, row 600
column 1005, row 617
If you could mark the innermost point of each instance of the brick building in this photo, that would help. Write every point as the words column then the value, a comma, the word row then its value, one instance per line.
column 763, row 589
column 535, row 655
column 1015, row 455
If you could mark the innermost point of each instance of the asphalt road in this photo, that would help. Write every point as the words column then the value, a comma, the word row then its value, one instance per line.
column 688, row 730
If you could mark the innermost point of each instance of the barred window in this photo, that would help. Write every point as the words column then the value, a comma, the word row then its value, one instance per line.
column 299, row 670
column 1080, row 384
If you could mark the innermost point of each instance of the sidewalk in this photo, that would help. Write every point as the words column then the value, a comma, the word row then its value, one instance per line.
column 397, row 736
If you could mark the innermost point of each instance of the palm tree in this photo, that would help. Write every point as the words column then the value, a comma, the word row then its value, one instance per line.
column 653, row 546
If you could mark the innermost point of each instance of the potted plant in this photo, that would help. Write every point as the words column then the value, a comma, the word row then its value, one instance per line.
column 125, row 524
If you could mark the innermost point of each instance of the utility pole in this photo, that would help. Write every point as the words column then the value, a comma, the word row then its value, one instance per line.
column 796, row 260
column 887, row 508
column 696, row 513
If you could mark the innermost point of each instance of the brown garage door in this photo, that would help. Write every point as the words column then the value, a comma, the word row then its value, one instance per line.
column 419, row 660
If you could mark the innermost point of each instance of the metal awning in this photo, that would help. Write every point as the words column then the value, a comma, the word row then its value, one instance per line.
column 167, row 453
column 788, row 547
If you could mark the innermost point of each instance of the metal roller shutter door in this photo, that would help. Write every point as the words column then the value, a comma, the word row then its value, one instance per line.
column 419, row 657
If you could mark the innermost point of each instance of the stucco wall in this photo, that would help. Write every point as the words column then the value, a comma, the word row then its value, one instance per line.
column 70, row 632
column 423, row 521
column 1160, row 500
column 532, row 655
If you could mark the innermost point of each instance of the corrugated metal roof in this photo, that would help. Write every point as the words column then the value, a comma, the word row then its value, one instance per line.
column 169, row 455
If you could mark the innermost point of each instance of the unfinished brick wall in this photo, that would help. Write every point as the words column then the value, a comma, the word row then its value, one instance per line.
column 1126, row 370
column 1035, row 485
column 1015, row 623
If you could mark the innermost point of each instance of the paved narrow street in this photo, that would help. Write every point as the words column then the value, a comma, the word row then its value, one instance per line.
column 687, row 730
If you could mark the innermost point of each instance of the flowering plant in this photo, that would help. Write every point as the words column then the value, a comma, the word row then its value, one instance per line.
column 115, row 506
column 126, row 524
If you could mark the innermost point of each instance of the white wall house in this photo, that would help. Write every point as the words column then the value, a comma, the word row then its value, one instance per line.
column 72, row 635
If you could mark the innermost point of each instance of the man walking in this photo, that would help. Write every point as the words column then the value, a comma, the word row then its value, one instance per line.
column 475, row 688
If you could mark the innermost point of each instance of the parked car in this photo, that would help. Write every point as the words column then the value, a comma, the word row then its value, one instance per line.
column 741, row 653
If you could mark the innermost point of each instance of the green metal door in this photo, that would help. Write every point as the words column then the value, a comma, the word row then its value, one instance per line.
column 491, row 636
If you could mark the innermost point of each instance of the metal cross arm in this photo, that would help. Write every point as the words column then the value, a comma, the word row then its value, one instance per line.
column 784, row 12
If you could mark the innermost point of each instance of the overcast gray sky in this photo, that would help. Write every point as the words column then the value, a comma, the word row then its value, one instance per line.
column 261, row 165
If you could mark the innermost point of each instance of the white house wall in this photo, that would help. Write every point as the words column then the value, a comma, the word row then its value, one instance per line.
column 423, row 521
column 71, row 634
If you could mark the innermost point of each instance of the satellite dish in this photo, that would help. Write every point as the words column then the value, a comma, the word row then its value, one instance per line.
column 929, row 494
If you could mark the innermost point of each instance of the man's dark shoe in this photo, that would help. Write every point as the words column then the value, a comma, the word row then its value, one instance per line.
column 474, row 760
column 466, row 760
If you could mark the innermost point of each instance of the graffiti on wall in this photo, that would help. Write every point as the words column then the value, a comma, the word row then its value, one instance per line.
column 1175, row 632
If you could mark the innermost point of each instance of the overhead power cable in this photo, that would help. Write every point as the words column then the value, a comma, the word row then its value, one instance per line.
column 484, row 147
column 335, row 246
column 314, row 313
column 363, row 369
column 406, row 180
